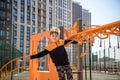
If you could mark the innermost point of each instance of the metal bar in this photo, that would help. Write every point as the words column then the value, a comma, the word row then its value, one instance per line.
column 104, row 58
column 85, row 63
column 79, row 64
column 100, row 59
column 93, row 61
column 96, row 61
column 90, row 61
column 114, row 53
column 85, row 68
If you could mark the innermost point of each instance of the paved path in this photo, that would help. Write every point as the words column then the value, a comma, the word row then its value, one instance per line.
column 102, row 76
column 95, row 76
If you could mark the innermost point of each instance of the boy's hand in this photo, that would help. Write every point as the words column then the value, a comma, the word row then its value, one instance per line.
column 27, row 57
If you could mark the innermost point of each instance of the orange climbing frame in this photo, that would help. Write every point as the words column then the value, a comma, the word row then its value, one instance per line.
column 85, row 36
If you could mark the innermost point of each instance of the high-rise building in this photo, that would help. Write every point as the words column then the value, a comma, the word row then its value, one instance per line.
column 76, row 11
column 34, row 16
column 7, row 50
column 76, row 14
column 86, row 17
column 5, row 28
column 6, row 20
column 29, row 17
column 60, row 14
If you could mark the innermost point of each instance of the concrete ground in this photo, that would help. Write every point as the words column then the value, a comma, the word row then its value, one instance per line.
column 95, row 76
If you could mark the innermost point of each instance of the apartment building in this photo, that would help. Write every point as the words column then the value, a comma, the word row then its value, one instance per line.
column 76, row 14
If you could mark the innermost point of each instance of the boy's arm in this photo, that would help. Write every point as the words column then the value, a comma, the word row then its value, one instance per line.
column 71, row 39
column 68, row 42
column 40, row 54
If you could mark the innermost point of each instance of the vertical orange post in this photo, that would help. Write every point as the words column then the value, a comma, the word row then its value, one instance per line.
column 33, row 62
column 40, row 75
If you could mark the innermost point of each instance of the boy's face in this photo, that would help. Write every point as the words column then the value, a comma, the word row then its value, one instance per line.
column 54, row 37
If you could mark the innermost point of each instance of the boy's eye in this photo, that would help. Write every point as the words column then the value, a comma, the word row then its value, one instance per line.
column 54, row 36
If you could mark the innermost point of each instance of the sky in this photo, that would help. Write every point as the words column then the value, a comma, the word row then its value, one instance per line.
column 103, row 12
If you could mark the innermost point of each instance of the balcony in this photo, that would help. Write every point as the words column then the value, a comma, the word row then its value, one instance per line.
column 42, row 21
column 41, row 2
column 41, row 15
column 41, row 9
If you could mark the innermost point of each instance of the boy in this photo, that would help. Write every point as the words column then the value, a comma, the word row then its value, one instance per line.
column 58, row 54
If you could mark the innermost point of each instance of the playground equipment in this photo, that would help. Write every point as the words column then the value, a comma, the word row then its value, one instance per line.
column 8, row 68
column 87, row 35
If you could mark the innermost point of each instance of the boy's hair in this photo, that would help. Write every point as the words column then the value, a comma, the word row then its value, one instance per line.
column 54, row 30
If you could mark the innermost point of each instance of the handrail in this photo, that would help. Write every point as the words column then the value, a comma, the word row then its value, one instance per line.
column 11, row 66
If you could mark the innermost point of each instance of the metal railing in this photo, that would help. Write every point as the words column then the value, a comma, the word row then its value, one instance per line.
column 16, row 65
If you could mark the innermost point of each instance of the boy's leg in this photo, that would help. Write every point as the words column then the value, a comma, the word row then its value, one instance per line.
column 61, row 73
column 68, row 72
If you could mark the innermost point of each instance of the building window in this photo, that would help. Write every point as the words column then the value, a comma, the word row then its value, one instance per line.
column 33, row 3
column 28, row 8
column 21, row 48
column 27, row 50
column 1, row 33
column 2, row 23
column 22, row 20
column 22, row 11
column 50, row 16
column 8, row 19
column 15, row 18
column 44, row 19
column 8, row 6
column 39, row 5
column 28, row 30
column 50, row 10
column 39, row 11
column 44, row 1
column 44, row 25
column 15, row 4
column 2, row 4
column 60, row 13
column 2, row 14
column 44, row 13
column 15, row 11
column 28, row 21
column 28, row 15
column 50, row 21
column 39, row 18
column 33, row 22
column 60, row 2
column 8, row 0
column 28, row 2
column 69, row 4
column 39, row 24
column 50, row 2
column 50, row 26
column 33, row 30
column 15, row 27
column 33, row 9
column 8, row 24
column 44, row 6
column 22, row 28
column 33, row 16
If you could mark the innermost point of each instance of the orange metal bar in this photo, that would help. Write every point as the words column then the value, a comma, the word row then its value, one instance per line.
column 5, row 73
